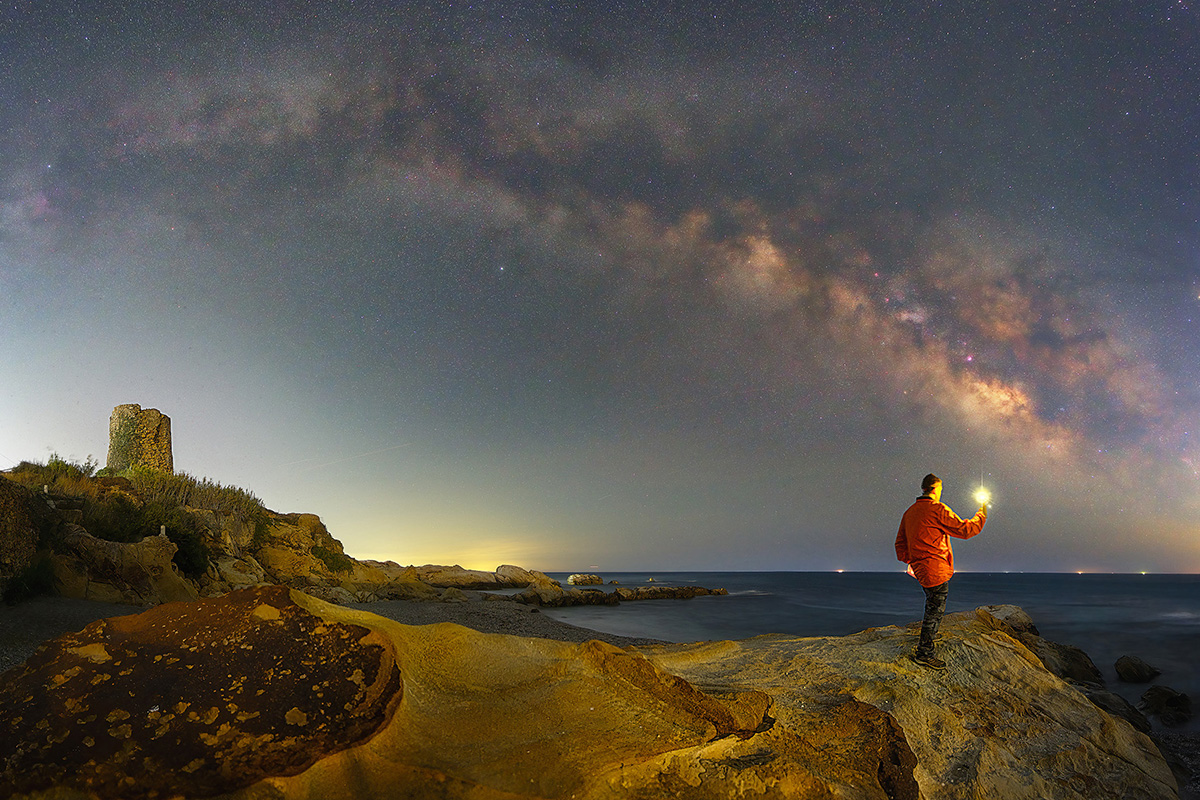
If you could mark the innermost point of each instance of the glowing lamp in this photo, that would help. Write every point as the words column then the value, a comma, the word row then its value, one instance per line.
column 982, row 496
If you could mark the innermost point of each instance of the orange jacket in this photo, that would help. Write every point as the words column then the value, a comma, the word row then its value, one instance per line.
column 923, row 541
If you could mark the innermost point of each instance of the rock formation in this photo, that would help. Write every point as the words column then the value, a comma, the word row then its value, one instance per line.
column 584, row 579
column 553, row 595
column 268, row 693
column 1170, row 706
column 138, row 436
column 138, row 573
column 1132, row 669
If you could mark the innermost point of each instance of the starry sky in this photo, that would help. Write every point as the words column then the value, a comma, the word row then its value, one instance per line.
column 625, row 285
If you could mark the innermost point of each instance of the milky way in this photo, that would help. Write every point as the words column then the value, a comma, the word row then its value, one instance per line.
column 647, row 286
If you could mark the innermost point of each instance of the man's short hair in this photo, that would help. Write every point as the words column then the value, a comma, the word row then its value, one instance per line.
column 928, row 482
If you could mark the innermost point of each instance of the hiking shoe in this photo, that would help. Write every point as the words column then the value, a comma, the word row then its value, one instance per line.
column 931, row 661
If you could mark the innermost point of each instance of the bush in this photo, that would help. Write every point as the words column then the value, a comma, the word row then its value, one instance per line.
column 35, row 580
column 333, row 561
column 181, row 489
column 118, row 517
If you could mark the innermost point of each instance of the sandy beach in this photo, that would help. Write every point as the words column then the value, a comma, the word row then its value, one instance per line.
column 24, row 627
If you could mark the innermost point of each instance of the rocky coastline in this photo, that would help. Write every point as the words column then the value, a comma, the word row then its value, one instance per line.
column 127, row 708
column 1016, row 716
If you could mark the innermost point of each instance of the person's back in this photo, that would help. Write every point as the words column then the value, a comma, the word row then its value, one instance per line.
column 923, row 542
column 924, row 538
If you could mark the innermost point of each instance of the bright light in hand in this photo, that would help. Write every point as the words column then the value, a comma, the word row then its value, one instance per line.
column 982, row 495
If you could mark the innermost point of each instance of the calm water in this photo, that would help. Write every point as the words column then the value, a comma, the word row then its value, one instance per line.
column 1155, row 617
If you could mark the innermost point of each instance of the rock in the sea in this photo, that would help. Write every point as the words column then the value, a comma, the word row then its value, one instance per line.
column 272, row 694
column 555, row 596
column 1118, row 706
column 1132, row 669
column 584, row 579
column 666, row 592
column 1171, row 707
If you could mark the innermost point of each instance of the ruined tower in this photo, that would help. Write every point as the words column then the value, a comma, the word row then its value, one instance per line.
column 139, row 436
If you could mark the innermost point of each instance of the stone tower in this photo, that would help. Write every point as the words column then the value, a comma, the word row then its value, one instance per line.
column 139, row 436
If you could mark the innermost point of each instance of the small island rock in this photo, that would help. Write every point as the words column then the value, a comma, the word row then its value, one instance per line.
column 1171, row 707
column 1132, row 669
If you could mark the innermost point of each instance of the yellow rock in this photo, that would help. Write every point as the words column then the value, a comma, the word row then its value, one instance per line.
column 445, row 711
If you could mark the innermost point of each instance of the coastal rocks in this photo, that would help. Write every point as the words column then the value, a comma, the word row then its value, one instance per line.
column 996, row 723
column 357, row 706
column 1171, row 707
column 666, row 592
column 1132, row 669
column 585, row 579
column 137, row 573
column 505, row 577
column 554, row 596
column 1066, row 661
column 513, row 576
column 1116, row 705
column 193, row 699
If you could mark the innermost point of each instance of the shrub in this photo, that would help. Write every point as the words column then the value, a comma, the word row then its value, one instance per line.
column 118, row 517
column 191, row 554
column 35, row 580
column 333, row 561
column 181, row 489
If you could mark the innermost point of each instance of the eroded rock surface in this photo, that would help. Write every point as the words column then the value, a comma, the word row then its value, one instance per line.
column 486, row 716
column 193, row 698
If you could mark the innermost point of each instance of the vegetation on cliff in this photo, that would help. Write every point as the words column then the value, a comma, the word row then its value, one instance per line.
column 135, row 503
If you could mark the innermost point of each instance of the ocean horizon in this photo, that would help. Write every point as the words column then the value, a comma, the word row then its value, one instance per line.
column 1154, row 616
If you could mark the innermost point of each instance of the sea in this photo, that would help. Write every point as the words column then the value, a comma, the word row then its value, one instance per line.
column 1154, row 617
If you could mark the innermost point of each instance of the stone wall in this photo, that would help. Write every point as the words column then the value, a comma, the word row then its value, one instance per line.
column 140, row 436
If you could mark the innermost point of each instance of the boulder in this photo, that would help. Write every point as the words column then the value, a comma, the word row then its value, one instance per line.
column 138, row 573
column 555, row 596
column 1013, row 616
column 1118, row 706
column 443, row 577
column 1171, row 707
column 509, row 576
column 1064, row 660
column 1132, row 669
column 585, row 579
column 228, row 573
column 271, row 693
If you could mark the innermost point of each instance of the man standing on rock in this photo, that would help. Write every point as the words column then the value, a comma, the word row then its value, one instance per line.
column 923, row 543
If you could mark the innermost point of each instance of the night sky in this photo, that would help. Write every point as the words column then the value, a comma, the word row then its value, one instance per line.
column 622, row 285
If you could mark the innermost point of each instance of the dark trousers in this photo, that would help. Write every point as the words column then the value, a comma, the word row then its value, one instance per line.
column 935, row 607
